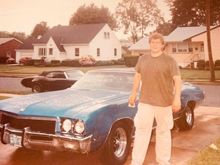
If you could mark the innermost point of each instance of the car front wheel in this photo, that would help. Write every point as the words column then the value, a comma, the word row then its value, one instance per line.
column 36, row 88
column 117, row 146
column 186, row 121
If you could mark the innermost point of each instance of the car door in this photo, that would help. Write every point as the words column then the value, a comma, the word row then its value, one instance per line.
column 57, row 81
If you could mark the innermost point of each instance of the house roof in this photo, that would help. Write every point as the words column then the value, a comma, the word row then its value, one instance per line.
column 183, row 33
column 4, row 40
column 75, row 34
column 178, row 35
column 142, row 44
column 28, row 43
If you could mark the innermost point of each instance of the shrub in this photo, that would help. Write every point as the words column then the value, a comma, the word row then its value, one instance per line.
column 103, row 63
column 69, row 62
column 3, row 59
column 87, row 60
column 131, row 61
column 55, row 62
column 217, row 64
column 201, row 64
column 207, row 65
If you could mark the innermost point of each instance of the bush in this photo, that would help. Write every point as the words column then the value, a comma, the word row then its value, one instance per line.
column 103, row 63
column 201, row 64
column 131, row 61
column 55, row 62
column 207, row 65
column 26, row 61
column 69, row 62
column 87, row 60
column 217, row 64
column 3, row 59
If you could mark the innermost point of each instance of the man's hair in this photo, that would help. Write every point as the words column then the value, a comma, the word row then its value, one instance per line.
column 155, row 36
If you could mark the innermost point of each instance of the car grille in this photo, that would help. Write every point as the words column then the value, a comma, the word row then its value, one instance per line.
column 35, row 124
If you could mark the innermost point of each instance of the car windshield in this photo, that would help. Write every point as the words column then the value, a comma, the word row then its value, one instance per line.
column 119, row 81
column 76, row 74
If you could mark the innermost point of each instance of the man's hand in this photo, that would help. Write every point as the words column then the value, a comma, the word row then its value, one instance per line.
column 131, row 100
column 176, row 106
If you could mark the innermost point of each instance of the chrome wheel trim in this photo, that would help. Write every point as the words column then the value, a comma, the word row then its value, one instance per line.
column 189, row 116
column 119, row 142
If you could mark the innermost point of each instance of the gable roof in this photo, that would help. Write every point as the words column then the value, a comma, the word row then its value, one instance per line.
column 74, row 34
column 184, row 33
column 28, row 43
column 142, row 44
column 4, row 40
column 178, row 35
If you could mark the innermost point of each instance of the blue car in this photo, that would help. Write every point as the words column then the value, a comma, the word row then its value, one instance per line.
column 93, row 114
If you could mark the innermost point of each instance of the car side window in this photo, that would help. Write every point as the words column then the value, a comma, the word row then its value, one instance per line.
column 59, row 75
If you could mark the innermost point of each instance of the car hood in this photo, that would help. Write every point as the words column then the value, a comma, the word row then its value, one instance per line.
column 65, row 103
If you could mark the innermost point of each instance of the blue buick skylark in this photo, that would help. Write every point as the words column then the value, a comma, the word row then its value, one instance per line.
column 93, row 114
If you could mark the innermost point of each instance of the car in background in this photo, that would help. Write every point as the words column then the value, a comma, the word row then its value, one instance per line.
column 52, row 80
column 92, row 115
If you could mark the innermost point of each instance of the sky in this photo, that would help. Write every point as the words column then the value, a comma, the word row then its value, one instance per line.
column 23, row 15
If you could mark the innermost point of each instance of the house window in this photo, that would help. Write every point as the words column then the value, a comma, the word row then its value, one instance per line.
column 98, row 51
column 182, row 47
column 42, row 51
column 115, row 52
column 106, row 35
column 190, row 49
column 76, row 51
column 50, row 51
column 174, row 50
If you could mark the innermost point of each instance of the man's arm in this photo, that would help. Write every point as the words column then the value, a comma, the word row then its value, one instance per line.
column 177, row 96
column 137, row 79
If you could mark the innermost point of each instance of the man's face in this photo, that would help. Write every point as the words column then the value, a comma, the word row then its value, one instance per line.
column 156, row 45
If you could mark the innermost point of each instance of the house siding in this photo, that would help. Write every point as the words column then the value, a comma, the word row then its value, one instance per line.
column 50, row 44
column 215, row 33
column 8, row 48
column 23, row 53
column 70, row 51
column 106, row 45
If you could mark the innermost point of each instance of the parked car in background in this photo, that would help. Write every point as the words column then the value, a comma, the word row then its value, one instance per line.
column 52, row 80
column 91, row 115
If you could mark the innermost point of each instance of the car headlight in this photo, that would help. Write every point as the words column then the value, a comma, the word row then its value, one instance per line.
column 67, row 125
column 79, row 127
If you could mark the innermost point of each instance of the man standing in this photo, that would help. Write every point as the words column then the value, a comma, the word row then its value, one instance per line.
column 160, row 80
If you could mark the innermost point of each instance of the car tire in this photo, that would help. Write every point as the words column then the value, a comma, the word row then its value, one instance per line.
column 186, row 121
column 36, row 88
column 117, row 146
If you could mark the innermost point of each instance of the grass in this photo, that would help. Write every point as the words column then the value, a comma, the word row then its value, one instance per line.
column 19, row 69
column 4, row 97
column 208, row 156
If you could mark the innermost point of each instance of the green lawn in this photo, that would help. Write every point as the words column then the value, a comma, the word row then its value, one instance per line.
column 16, row 70
column 208, row 156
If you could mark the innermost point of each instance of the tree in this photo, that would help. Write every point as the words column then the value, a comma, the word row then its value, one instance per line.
column 193, row 12
column 19, row 35
column 211, row 65
column 166, row 28
column 93, row 14
column 136, row 15
column 39, row 29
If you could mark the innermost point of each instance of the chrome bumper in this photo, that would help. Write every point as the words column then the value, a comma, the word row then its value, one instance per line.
column 43, row 141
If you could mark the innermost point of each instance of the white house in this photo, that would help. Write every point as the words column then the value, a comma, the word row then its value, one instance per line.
column 185, row 44
column 73, row 42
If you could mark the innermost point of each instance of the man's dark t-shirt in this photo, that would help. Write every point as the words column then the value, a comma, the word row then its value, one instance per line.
column 157, row 73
